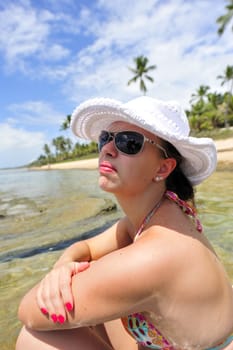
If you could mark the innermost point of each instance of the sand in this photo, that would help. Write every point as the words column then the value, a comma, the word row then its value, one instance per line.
column 225, row 150
column 224, row 154
column 76, row 164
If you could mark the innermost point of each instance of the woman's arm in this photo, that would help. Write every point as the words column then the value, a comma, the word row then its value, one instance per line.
column 115, row 285
column 54, row 294
column 93, row 248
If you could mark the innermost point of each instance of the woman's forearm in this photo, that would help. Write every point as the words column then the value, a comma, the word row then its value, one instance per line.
column 115, row 237
column 78, row 251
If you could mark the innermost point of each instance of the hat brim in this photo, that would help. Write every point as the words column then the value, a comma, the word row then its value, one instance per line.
column 199, row 154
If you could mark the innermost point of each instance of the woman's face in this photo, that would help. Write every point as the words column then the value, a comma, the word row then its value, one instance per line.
column 128, row 174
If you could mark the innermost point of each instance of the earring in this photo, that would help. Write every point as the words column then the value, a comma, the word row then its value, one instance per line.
column 158, row 178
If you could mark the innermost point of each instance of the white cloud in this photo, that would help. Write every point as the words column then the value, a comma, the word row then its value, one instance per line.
column 27, row 33
column 35, row 113
column 19, row 137
column 20, row 144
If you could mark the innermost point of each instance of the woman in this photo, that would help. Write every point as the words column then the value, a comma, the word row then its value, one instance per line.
column 152, row 280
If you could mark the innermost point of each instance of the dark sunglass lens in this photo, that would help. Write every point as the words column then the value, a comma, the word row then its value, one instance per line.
column 103, row 139
column 129, row 142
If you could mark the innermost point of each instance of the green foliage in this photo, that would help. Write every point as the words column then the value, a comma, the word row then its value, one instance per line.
column 200, row 94
column 141, row 69
column 210, row 115
column 65, row 151
column 224, row 20
column 211, row 110
column 66, row 123
column 216, row 134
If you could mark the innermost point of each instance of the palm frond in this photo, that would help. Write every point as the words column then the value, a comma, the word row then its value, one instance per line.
column 224, row 20
column 133, row 80
column 133, row 70
column 149, row 78
column 152, row 67
column 143, row 86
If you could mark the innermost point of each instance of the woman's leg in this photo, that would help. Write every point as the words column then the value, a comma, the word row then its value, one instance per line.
column 111, row 336
column 72, row 339
column 118, row 336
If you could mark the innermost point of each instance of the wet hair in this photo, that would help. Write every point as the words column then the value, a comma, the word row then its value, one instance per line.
column 177, row 181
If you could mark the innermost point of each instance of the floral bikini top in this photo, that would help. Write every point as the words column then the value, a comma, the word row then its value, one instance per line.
column 136, row 324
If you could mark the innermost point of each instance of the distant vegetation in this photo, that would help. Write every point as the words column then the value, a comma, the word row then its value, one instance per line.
column 62, row 149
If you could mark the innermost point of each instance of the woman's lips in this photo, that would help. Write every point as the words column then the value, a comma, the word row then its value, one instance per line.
column 106, row 167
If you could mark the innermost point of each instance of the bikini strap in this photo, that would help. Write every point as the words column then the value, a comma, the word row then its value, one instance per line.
column 187, row 209
column 148, row 217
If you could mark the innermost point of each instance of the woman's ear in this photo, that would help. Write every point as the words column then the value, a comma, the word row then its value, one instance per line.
column 165, row 169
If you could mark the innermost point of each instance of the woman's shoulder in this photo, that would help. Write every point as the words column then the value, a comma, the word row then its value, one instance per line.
column 169, row 249
column 181, row 258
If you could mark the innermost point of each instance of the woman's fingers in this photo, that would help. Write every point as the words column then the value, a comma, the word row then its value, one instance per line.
column 57, row 312
column 66, row 280
column 54, row 295
column 65, row 289
column 44, row 298
column 81, row 266
column 49, row 298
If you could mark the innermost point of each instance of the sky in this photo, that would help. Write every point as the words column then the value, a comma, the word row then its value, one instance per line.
column 54, row 54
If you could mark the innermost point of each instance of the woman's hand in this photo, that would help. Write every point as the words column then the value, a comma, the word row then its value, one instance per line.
column 54, row 295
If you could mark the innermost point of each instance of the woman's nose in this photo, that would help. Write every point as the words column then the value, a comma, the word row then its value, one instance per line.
column 109, row 149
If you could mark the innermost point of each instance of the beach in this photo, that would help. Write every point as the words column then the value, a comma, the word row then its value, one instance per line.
column 225, row 150
column 224, row 155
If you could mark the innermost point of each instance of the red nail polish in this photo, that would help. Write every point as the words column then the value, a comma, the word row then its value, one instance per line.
column 44, row 311
column 61, row 319
column 69, row 307
column 54, row 318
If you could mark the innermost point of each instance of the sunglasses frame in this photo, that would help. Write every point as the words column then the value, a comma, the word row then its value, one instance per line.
column 112, row 136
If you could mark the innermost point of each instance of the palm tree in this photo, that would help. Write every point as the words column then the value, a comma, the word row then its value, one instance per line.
column 141, row 71
column 66, row 124
column 215, row 99
column 224, row 20
column 227, row 78
column 47, row 152
column 68, row 146
column 200, row 94
column 60, row 145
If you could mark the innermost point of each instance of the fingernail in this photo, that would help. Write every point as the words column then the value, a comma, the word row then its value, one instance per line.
column 54, row 318
column 69, row 306
column 61, row 319
column 44, row 311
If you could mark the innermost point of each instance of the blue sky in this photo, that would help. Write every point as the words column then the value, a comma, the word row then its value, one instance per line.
column 54, row 54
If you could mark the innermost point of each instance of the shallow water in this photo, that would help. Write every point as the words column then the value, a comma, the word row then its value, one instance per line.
column 215, row 202
column 43, row 212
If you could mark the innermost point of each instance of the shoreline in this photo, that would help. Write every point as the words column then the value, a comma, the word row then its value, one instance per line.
column 90, row 164
column 224, row 156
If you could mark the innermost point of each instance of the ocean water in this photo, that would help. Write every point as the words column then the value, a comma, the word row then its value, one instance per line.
column 41, row 208
column 42, row 212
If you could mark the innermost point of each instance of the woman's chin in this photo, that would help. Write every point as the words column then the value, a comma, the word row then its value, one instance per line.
column 106, row 185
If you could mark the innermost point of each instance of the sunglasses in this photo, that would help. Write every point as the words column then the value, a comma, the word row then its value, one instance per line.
column 127, row 142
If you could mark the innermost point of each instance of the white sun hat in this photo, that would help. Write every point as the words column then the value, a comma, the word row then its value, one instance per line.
column 166, row 119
